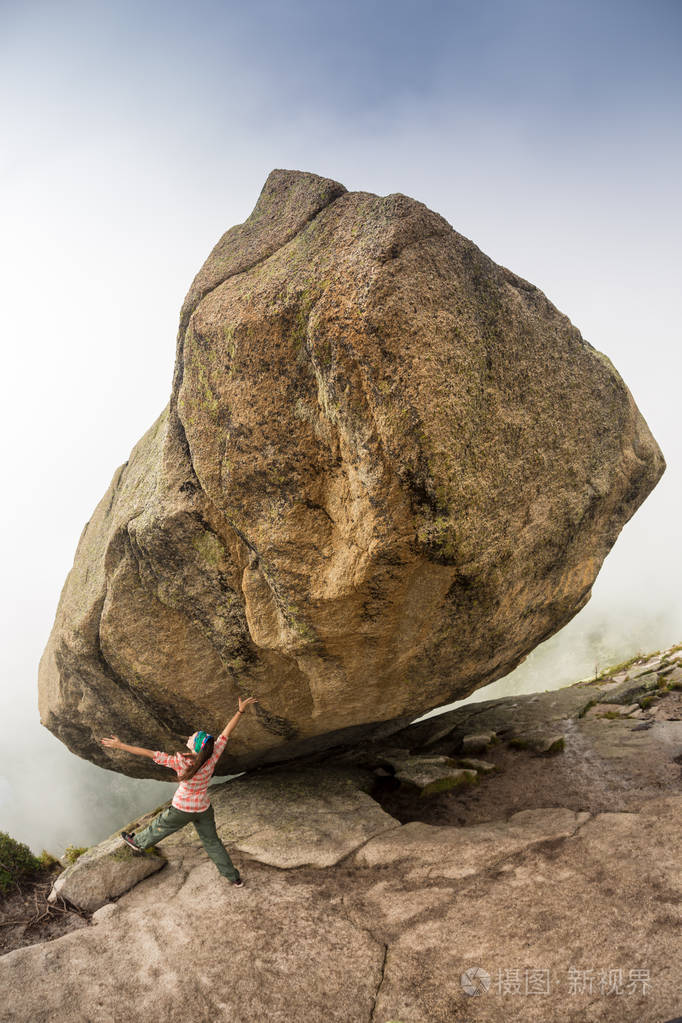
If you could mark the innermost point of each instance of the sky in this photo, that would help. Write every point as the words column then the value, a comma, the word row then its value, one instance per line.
column 134, row 135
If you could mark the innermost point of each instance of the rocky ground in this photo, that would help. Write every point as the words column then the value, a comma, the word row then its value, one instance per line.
column 26, row 917
column 525, row 848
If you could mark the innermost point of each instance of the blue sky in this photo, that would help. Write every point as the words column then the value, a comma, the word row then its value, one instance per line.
column 135, row 134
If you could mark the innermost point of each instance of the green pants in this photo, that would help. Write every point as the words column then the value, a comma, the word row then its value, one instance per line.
column 171, row 819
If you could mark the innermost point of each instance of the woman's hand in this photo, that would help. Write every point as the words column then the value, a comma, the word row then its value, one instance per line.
column 114, row 742
column 244, row 703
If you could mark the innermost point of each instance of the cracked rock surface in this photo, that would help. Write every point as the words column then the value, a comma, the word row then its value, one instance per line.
column 559, row 876
column 289, row 818
column 103, row 872
column 388, row 469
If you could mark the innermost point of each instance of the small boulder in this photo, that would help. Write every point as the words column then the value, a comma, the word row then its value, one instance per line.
column 674, row 678
column 104, row 872
column 431, row 774
column 482, row 766
column 477, row 743
column 627, row 692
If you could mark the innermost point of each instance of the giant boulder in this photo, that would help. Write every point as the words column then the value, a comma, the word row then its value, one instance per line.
column 388, row 469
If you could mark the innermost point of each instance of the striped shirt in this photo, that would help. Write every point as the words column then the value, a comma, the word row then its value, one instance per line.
column 191, row 796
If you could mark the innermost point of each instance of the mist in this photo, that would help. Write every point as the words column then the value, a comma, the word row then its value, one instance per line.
column 547, row 133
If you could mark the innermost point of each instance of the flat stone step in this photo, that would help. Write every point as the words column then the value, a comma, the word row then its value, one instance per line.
column 104, row 872
column 477, row 742
column 627, row 692
column 604, row 709
column 431, row 774
column 482, row 766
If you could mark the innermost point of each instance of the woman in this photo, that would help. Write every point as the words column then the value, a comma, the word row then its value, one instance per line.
column 190, row 802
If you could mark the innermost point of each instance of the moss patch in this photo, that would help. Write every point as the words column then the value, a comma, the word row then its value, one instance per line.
column 590, row 703
column 209, row 547
column 518, row 742
column 72, row 852
column 615, row 669
column 127, row 854
column 17, row 862
column 445, row 784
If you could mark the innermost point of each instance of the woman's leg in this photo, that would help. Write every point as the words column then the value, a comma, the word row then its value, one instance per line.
column 206, row 830
column 168, row 821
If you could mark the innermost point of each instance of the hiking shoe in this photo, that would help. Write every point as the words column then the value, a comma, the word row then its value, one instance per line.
column 129, row 839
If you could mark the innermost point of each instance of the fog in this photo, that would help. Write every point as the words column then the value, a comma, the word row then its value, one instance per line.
column 133, row 137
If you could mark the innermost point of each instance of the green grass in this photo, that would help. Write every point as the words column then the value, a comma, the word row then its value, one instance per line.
column 623, row 666
column 17, row 862
column 72, row 852
column 126, row 854
column 445, row 784
column 517, row 742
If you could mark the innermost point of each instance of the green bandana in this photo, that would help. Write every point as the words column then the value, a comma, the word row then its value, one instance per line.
column 200, row 741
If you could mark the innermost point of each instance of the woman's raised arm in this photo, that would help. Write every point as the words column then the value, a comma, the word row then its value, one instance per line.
column 115, row 743
column 233, row 722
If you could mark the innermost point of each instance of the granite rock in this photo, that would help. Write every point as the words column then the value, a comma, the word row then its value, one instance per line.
column 388, row 469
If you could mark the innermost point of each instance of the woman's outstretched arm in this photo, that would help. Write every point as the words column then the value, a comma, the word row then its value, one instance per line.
column 116, row 743
column 233, row 722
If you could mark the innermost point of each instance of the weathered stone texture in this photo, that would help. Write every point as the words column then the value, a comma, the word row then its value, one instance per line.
column 389, row 468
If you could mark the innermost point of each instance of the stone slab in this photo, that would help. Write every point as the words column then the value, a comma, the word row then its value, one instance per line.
column 294, row 817
column 104, row 872
column 459, row 852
